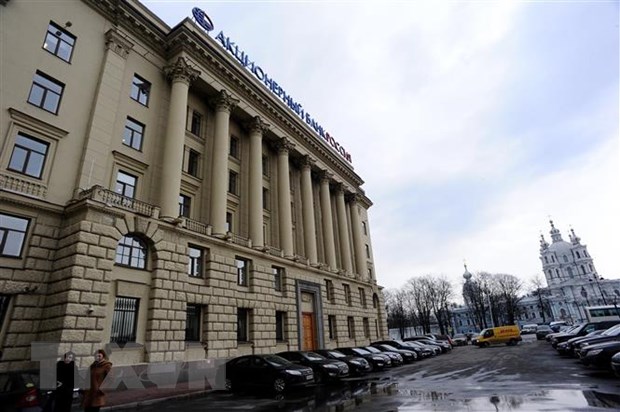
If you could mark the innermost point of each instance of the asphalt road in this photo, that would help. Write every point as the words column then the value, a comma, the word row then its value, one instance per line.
column 527, row 377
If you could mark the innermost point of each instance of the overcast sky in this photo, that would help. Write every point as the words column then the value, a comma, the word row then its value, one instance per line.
column 470, row 122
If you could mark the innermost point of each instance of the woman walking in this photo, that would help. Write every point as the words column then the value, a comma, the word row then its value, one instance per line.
column 65, row 375
column 94, row 398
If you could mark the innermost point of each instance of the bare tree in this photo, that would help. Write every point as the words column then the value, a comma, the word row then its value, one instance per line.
column 441, row 292
column 420, row 292
column 509, row 289
column 395, row 307
column 539, row 290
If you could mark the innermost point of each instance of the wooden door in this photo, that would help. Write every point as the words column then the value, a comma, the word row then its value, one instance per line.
column 308, row 331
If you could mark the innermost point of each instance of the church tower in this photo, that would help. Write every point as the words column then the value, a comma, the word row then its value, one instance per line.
column 563, row 261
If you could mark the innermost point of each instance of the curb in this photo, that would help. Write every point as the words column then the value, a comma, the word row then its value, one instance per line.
column 149, row 402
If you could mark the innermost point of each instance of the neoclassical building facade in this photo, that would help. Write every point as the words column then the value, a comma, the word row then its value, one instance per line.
column 158, row 195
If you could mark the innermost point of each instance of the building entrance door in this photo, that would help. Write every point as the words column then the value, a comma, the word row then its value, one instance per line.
column 308, row 331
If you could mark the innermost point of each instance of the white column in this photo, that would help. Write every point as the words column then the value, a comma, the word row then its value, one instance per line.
column 343, row 230
column 358, row 243
column 328, row 229
column 257, row 127
column 284, row 198
column 224, row 104
column 308, row 210
column 181, row 75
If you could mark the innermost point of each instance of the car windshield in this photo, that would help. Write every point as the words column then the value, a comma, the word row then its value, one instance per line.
column 372, row 349
column 392, row 348
column 360, row 351
column 613, row 331
column 313, row 356
column 337, row 354
column 276, row 360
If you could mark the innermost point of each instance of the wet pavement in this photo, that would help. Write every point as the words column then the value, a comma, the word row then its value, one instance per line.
column 528, row 377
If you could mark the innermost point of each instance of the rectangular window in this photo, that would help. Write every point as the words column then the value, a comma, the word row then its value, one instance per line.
column 364, row 228
column 196, row 124
column 367, row 251
column 232, row 182
column 4, row 307
column 192, row 323
column 280, row 325
column 124, row 320
column 366, row 328
column 265, row 163
column 28, row 156
column 45, row 92
column 331, row 323
column 140, row 90
column 13, row 231
column 193, row 158
column 125, row 184
column 234, row 147
column 362, row 297
column 347, row 294
column 243, row 324
column 59, row 42
column 265, row 199
column 243, row 270
column 134, row 133
column 185, row 203
column 229, row 222
column 329, row 290
column 196, row 259
column 351, row 327
column 278, row 277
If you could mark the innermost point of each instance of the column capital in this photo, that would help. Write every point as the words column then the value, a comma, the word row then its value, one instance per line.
column 353, row 197
column 257, row 125
column 181, row 71
column 224, row 102
column 307, row 162
column 284, row 145
column 117, row 43
column 325, row 175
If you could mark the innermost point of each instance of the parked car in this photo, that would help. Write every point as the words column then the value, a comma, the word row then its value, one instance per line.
column 566, row 348
column 529, row 328
column 409, row 355
column 377, row 361
column 443, row 346
column 607, row 335
column 396, row 358
column 357, row 364
column 615, row 364
column 441, row 338
column 508, row 334
column 563, row 329
column 557, row 325
column 324, row 369
column 272, row 371
column 459, row 339
column 582, row 330
column 423, row 351
column 19, row 390
column 600, row 355
column 542, row 331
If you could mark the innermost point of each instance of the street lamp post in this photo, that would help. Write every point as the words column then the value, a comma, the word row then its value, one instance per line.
column 599, row 289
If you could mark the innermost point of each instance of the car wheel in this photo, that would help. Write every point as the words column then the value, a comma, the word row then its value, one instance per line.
column 318, row 377
column 279, row 384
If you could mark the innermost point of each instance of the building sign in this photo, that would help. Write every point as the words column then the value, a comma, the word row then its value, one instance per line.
column 242, row 57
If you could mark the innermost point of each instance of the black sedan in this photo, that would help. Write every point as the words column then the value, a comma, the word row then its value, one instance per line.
column 324, row 369
column 409, row 355
column 615, row 364
column 266, row 370
column 395, row 357
column 542, row 331
column 600, row 355
column 377, row 361
column 357, row 364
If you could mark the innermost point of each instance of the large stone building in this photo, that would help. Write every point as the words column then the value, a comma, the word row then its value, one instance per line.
column 161, row 192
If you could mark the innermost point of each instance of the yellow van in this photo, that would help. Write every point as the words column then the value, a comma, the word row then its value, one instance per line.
column 509, row 334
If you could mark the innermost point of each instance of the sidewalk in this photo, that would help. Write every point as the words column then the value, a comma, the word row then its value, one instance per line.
column 134, row 398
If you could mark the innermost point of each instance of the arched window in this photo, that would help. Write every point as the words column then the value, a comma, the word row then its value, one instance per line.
column 546, row 260
column 557, row 272
column 590, row 267
column 552, row 258
column 570, row 272
column 550, row 274
column 565, row 259
column 583, row 269
column 578, row 256
column 131, row 251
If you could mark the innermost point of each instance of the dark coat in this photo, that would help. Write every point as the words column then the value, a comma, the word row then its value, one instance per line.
column 94, row 396
column 65, row 373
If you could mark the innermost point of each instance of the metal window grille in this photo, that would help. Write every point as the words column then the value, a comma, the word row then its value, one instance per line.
column 192, row 323
column 124, row 320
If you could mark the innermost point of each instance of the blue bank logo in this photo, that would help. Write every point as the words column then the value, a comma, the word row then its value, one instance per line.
column 202, row 19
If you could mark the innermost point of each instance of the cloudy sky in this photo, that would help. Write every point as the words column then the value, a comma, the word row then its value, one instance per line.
column 470, row 122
